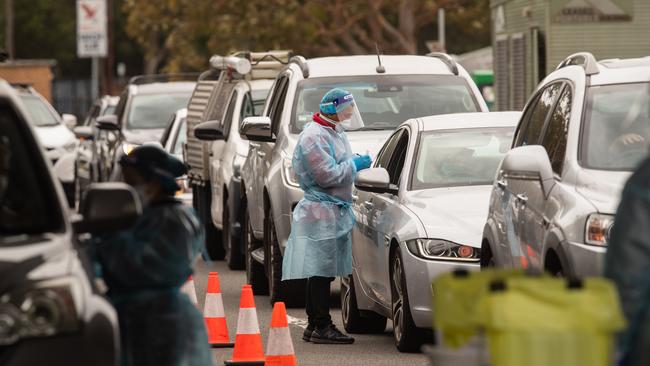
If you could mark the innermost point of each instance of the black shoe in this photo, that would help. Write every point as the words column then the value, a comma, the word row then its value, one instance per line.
column 330, row 335
column 306, row 335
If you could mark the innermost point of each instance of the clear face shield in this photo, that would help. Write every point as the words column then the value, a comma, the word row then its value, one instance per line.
column 347, row 113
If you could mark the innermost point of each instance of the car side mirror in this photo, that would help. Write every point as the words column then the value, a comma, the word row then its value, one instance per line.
column 107, row 123
column 69, row 120
column 257, row 129
column 209, row 131
column 375, row 180
column 529, row 163
column 108, row 207
column 83, row 132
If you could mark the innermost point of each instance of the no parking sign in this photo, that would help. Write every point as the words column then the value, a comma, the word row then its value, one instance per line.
column 91, row 28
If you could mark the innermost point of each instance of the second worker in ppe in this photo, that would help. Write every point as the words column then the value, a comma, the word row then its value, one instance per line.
column 319, row 247
column 145, row 266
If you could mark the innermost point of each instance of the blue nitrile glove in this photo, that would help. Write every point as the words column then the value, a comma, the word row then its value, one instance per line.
column 362, row 162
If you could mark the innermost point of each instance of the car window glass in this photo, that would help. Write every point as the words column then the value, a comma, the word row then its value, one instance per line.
column 181, row 137
column 92, row 115
column 534, row 120
column 278, row 103
column 247, row 107
column 383, row 158
column 41, row 114
column 40, row 213
column 230, row 112
column 555, row 137
column 398, row 157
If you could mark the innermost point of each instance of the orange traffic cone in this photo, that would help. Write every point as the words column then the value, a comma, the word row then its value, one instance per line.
column 279, row 350
column 215, row 318
column 189, row 289
column 248, row 342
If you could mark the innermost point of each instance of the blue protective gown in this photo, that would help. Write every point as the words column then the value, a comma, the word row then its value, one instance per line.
column 144, row 268
column 627, row 263
column 320, row 243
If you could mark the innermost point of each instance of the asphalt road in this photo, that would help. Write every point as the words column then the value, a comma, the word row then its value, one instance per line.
column 376, row 349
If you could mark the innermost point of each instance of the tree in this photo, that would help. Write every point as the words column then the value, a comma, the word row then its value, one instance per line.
column 182, row 34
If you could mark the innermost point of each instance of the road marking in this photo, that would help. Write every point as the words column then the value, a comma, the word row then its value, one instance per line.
column 302, row 323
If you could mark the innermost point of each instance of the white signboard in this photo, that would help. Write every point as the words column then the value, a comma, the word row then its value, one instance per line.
column 91, row 28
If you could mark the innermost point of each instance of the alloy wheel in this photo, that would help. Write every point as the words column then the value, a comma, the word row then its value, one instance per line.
column 345, row 304
column 398, row 301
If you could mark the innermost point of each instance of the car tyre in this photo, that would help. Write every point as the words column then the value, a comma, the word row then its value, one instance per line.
column 233, row 256
column 487, row 259
column 353, row 320
column 213, row 240
column 408, row 337
column 293, row 292
column 255, row 275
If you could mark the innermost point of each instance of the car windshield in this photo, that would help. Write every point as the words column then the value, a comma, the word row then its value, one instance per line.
column 38, row 214
column 150, row 111
column 385, row 101
column 459, row 157
column 41, row 114
column 616, row 131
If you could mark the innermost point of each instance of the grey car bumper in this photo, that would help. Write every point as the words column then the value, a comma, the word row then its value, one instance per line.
column 419, row 274
column 585, row 260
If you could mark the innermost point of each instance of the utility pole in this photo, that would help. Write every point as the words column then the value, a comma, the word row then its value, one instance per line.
column 9, row 28
column 441, row 29
column 109, row 61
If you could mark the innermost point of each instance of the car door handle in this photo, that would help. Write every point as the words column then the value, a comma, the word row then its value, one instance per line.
column 368, row 205
column 522, row 198
column 261, row 154
column 254, row 144
column 355, row 198
column 502, row 184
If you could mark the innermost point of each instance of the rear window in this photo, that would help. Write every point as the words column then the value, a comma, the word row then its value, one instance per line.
column 40, row 212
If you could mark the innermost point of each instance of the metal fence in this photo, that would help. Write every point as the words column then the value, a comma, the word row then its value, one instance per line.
column 72, row 96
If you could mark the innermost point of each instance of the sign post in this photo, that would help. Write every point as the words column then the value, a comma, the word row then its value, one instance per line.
column 92, row 36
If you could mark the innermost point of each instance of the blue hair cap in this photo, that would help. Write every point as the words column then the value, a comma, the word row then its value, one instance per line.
column 335, row 101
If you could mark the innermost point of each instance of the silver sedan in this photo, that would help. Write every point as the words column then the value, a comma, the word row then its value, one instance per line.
column 420, row 212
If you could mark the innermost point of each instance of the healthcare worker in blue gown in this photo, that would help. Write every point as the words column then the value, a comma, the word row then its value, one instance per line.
column 145, row 266
column 319, row 247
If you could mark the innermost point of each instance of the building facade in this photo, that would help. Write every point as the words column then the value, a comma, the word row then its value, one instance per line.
column 531, row 37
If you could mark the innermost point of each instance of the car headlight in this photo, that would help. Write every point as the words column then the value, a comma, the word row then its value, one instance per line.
column 128, row 147
column 598, row 229
column 41, row 311
column 184, row 185
column 443, row 250
column 70, row 146
column 289, row 175
column 237, row 162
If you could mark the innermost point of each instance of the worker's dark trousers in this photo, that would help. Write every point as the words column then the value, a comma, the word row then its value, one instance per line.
column 318, row 301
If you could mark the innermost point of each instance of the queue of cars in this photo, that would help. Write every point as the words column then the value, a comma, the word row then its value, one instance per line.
column 451, row 185
column 431, row 201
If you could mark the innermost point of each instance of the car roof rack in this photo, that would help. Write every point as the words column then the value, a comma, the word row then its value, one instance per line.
column 163, row 78
column 447, row 60
column 302, row 63
column 24, row 87
column 584, row 59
